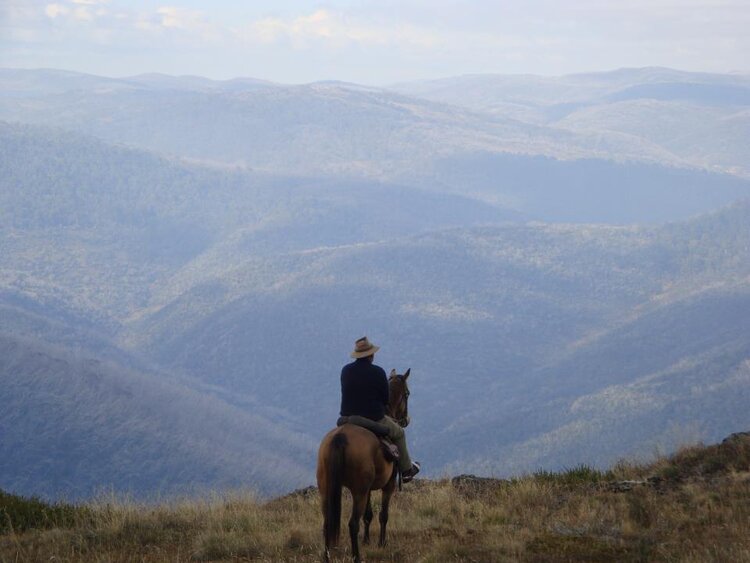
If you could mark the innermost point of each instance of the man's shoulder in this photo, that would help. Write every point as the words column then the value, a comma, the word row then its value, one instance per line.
column 378, row 369
column 349, row 368
column 363, row 367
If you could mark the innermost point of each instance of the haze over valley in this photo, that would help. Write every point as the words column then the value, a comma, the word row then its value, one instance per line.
column 185, row 263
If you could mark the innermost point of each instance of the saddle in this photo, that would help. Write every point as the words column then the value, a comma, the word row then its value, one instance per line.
column 390, row 451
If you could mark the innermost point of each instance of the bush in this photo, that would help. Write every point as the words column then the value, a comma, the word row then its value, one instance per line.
column 579, row 475
column 20, row 514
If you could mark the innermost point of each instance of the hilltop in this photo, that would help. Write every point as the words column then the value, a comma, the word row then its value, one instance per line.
column 692, row 506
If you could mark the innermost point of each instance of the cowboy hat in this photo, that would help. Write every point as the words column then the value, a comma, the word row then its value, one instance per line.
column 364, row 348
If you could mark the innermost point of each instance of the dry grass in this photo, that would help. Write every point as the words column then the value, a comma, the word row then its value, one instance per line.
column 700, row 515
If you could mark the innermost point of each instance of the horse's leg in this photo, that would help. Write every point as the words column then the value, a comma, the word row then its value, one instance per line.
column 324, row 507
column 359, row 503
column 386, row 501
column 367, row 519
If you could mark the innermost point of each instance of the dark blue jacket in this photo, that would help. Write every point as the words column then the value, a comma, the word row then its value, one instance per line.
column 364, row 390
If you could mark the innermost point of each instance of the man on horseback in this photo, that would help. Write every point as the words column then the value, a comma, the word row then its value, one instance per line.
column 353, row 456
column 364, row 393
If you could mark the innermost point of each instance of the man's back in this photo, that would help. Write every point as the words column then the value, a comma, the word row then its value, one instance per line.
column 364, row 390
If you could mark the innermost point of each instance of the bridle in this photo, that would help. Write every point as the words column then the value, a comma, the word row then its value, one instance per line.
column 402, row 421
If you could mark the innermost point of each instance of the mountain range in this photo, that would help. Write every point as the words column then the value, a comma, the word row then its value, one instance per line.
column 184, row 264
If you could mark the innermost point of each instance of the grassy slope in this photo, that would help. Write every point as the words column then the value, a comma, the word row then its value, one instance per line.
column 695, row 507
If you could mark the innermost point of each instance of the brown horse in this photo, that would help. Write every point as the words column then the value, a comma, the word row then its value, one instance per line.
column 351, row 456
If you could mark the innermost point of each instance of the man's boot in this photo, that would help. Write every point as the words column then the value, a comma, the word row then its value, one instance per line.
column 408, row 475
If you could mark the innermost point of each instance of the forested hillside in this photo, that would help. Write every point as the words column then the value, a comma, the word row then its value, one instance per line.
column 172, row 320
column 561, row 170
column 78, row 426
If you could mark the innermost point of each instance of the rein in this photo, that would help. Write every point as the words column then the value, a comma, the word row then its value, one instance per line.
column 402, row 421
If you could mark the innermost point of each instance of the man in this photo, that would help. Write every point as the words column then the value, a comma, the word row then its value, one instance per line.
column 364, row 392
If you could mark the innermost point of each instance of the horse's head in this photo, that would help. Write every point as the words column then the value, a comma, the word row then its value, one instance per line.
column 398, row 398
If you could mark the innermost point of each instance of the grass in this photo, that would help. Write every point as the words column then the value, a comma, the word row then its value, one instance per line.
column 700, row 511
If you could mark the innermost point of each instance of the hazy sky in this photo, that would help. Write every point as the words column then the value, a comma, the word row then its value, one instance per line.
column 372, row 41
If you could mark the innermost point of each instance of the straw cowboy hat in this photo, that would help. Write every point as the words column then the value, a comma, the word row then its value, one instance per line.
column 364, row 348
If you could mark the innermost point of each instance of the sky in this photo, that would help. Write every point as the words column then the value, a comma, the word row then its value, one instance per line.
column 372, row 42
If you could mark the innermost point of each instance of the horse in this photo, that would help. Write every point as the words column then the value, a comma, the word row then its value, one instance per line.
column 351, row 456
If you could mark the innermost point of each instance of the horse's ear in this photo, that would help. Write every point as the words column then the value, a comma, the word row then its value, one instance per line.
column 406, row 375
column 393, row 373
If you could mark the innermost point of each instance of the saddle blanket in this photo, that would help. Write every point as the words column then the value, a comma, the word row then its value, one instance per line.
column 380, row 430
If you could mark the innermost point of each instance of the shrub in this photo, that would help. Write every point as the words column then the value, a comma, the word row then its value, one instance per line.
column 580, row 475
column 19, row 514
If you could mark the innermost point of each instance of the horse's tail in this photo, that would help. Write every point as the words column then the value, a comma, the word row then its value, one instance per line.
column 336, row 462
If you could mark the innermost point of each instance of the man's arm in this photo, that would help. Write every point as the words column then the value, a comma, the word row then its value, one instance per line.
column 384, row 391
column 344, row 406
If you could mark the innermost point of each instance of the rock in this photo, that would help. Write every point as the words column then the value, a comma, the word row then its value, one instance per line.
column 654, row 482
column 306, row 492
column 736, row 437
column 625, row 486
column 473, row 484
